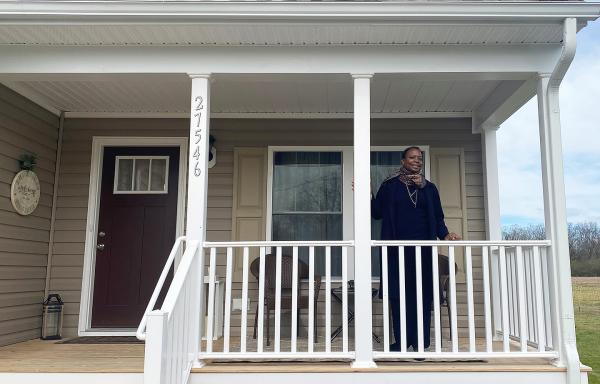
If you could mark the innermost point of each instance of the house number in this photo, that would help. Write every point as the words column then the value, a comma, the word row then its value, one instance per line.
column 199, row 101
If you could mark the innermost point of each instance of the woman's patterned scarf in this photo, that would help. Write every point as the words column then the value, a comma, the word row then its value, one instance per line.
column 403, row 174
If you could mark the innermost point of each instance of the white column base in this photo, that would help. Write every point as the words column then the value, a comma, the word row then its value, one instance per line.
column 364, row 364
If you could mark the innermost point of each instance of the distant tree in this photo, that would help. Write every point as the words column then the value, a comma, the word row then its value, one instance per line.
column 584, row 244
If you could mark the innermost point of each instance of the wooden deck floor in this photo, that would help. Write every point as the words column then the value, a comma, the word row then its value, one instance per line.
column 38, row 356
column 48, row 356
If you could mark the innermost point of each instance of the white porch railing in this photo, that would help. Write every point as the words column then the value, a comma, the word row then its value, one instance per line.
column 515, row 290
column 279, row 285
column 172, row 332
column 511, row 278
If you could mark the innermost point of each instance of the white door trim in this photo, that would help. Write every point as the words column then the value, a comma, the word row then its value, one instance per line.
column 89, row 258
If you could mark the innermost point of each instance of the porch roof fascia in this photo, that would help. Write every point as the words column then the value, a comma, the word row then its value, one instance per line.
column 16, row 12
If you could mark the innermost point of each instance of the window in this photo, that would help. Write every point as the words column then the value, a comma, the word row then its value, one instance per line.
column 307, row 202
column 141, row 174
column 311, row 198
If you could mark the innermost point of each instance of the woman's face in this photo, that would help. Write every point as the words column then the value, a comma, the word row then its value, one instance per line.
column 413, row 160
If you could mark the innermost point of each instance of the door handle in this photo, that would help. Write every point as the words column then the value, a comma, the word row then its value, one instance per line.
column 100, row 247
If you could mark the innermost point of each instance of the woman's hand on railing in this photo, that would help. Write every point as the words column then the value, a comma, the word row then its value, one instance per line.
column 452, row 236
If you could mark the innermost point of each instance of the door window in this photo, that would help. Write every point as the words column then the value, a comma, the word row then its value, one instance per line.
column 141, row 174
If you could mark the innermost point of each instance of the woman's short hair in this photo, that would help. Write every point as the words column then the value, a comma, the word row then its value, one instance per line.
column 409, row 149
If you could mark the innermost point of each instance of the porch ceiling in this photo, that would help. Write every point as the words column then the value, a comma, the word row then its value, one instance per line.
column 277, row 95
column 278, row 34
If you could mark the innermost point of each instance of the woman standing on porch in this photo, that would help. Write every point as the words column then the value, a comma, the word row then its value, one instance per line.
column 410, row 209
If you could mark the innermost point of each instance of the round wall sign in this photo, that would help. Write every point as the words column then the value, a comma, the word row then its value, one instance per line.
column 25, row 192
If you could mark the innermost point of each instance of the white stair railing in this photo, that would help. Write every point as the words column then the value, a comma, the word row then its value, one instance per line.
column 524, row 302
column 172, row 332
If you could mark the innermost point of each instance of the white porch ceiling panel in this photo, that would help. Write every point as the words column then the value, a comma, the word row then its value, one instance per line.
column 276, row 34
column 254, row 94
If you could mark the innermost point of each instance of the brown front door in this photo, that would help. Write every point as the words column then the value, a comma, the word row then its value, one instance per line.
column 136, row 230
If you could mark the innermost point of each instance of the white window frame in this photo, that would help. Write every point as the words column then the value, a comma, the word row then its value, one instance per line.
column 165, row 189
column 347, row 194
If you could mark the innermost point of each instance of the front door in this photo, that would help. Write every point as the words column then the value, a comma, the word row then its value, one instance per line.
column 136, row 230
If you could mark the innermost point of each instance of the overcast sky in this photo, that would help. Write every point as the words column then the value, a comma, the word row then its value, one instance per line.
column 521, row 199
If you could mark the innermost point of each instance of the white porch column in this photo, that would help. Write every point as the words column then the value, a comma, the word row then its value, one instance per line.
column 489, row 148
column 198, row 158
column 491, row 185
column 362, row 221
column 555, row 211
column 197, row 185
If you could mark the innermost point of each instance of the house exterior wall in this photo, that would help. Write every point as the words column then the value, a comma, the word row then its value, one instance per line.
column 24, row 128
column 67, row 267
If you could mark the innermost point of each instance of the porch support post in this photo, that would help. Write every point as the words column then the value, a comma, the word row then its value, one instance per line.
column 555, row 212
column 197, row 187
column 491, row 184
column 489, row 148
column 362, row 222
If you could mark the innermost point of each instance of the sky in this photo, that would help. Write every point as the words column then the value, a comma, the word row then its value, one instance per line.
column 520, row 177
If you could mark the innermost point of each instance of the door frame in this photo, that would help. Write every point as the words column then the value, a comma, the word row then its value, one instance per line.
column 89, row 257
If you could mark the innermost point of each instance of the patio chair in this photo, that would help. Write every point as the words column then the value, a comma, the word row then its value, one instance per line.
column 286, row 288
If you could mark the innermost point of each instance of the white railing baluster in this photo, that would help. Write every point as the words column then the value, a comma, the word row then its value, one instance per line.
column 344, row 299
column 261, row 301
column 530, row 294
column 452, row 302
column 402, row 290
column 494, row 253
column 504, row 300
column 328, row 299
column 419, row 282
column 228, row 281
column 294, row 298
column 277, row 300
column 539, row 300
column 436, row 299
column 513, row 294
column 244, row 321
column 509, row 285
column 211, row 299
column 311, row 298
column 522, row 300
column 547, row 295
column 470, row 302
column 485, row 256
column 386, row 314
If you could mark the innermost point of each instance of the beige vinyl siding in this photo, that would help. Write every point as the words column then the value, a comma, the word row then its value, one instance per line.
column 24, row 128
column 231, row 133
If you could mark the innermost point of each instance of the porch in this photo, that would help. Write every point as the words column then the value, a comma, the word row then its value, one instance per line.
column 498, row 307
column 56, row 362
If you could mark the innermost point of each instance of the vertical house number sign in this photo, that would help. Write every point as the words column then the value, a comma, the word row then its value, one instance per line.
column 199, row 106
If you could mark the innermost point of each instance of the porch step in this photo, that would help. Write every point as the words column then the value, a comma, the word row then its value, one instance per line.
column 517, row 371
column 505, row 365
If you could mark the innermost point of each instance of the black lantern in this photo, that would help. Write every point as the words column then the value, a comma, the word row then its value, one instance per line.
column 52, row 317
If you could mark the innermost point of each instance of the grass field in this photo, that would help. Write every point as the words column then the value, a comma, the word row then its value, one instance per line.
column 586, row 300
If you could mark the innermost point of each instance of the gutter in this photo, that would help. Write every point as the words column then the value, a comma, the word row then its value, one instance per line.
column 568, row 348
column 18, row 12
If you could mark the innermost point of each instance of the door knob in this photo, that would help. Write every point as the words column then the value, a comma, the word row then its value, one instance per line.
column 101, row 234
column 100, row 247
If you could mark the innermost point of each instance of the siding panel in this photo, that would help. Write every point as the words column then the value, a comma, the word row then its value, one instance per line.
column 24, row 128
